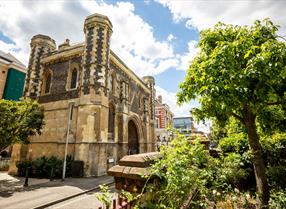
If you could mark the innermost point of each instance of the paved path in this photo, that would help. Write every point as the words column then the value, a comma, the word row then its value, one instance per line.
column 86, row 201
column 45, row 191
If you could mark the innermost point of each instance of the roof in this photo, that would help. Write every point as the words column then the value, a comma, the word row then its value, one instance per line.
column 10, row 58
column 184, row 117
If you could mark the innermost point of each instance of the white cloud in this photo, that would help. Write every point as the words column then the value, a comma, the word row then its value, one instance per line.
column 171, row 99
column 204, row 14
column 133, row 40
column 171, row 37
column 181, row 111
column 186, row 59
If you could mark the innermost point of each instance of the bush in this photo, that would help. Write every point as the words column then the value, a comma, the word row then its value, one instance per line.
column 276, row 176
column 277, row 199
column 274, row 154
column 38, row 167
column 182, row 171
column 237, row 143
column 274, row 149
column 42, row 167
column 233, row 171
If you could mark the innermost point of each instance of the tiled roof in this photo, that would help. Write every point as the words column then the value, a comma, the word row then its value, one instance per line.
column 10, row 58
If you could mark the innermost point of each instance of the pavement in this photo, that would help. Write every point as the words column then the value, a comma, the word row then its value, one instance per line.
column 42, row 191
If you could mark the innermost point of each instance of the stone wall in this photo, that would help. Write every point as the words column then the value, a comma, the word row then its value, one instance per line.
column 104, row 81
column 3, row 76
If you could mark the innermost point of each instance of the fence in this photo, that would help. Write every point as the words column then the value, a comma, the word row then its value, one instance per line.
column 4, row 163
column 120, row 203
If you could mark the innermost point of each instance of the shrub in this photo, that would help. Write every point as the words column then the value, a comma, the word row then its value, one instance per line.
column 42, row 167
column 38, row 167
column 274, row 149
column 277, row 199
column 237, row 143
column 186, row 175
column 276, row 176
column 233, row 171
column 22, row 166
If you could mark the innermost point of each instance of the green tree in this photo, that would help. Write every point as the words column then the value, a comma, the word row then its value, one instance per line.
column 18, row 121
column 239, row 72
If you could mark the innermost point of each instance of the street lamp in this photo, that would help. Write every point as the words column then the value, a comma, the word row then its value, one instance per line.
column 71, row 105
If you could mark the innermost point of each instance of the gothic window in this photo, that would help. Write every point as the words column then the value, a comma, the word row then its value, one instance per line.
column 73, row 82
column 111, row 120
column 112, row 84
column 47, row 83
column 126, row 91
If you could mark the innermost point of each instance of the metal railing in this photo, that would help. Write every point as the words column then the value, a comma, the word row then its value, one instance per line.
column 4, row 162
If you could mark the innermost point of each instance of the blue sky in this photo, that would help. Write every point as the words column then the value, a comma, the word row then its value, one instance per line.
column 153, row 37
column 160, row 18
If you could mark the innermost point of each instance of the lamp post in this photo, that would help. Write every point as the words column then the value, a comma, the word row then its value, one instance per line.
column 67, row 139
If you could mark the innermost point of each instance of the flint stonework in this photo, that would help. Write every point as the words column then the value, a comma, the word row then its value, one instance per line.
column 96, row 138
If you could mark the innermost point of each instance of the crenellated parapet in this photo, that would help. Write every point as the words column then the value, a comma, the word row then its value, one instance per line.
column 112, row 111
column 98, row 30
column 40, row 45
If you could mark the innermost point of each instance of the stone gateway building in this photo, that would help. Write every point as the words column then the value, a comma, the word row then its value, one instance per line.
column 112, row 109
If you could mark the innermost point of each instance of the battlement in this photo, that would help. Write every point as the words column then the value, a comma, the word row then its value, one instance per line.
column 44, row 40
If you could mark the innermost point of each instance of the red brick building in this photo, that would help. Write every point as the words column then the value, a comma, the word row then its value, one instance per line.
column 164, row 118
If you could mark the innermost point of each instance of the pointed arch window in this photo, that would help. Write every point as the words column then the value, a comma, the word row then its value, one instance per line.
column 111, row 120
column 73, row 83
column 47, row 83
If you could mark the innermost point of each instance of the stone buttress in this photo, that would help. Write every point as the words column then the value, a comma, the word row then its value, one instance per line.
column 113, row 109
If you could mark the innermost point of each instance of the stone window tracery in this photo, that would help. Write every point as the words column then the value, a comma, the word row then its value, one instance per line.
column 47, row 81
column 73, row 84
column 72, row 77
column 112, row 84
column 111, row 120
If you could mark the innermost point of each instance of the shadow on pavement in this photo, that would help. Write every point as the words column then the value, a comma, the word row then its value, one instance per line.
column 12, row 184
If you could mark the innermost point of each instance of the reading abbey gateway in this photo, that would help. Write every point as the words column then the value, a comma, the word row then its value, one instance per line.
column 112, row 110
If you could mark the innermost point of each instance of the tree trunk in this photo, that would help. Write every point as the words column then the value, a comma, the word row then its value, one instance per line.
column 258, row 163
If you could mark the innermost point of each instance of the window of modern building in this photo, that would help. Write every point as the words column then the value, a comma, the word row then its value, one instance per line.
column 157, row 122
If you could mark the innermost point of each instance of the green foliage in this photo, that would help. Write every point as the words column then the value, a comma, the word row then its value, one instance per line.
column 274, row 154
column 272, row 120
column 276, row 176
column 42, row 167
column 22, row 166
column 239, row 72
column 19, row 120
column 274, row 148
column 181, row 176
column 236, row 143
column 217, row 132
column 39, row 166
column 187, row 172
column 233, row 170
column 236, row 65
column 181, row 171
column 277, row 199
column 104, row 196
column 55, row 164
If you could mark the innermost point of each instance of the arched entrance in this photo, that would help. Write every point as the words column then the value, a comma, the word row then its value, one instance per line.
column 133, row 145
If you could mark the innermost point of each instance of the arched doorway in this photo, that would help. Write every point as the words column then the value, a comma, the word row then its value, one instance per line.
column 133, row 145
